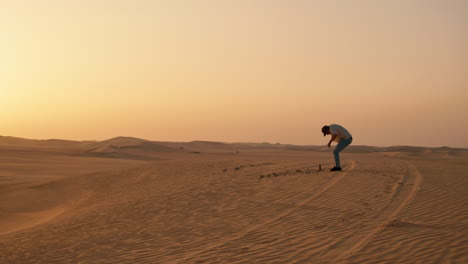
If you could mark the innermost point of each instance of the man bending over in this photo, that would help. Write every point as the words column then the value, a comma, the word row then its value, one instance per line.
column 342, row 136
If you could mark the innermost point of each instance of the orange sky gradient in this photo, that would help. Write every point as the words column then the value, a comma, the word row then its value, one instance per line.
column 392, row 72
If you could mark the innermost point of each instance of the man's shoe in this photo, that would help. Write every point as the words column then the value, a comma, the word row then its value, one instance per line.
column 335, row 169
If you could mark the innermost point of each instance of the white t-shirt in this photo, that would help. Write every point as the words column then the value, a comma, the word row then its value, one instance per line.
column 340, row 132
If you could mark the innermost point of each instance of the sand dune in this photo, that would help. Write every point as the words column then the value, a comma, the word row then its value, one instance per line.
column 143, row 150
column 391, row 205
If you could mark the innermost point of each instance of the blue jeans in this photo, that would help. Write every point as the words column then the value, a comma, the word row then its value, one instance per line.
column 341, row 145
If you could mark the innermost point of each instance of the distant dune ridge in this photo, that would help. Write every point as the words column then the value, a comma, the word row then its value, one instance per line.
column 130, row 200
column 122, row 146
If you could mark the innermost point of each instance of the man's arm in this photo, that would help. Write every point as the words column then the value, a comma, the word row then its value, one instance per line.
column 331, row 140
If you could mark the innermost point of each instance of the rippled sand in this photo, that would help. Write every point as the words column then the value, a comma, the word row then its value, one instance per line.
column 70, row 203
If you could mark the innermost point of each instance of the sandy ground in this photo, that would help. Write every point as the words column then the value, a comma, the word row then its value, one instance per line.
column 88, row 203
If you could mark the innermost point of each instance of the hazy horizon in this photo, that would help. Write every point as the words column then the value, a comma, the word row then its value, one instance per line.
column 393, row 73
column 227, row 142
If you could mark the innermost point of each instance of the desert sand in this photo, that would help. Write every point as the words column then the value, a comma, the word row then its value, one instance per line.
column 128, row 200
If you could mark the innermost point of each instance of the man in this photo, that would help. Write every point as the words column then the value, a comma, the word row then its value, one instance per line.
column 340, row 135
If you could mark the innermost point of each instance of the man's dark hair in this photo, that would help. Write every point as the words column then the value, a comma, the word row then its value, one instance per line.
column 325, row 130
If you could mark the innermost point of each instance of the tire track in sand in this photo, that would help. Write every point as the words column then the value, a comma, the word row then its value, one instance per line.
column 321, row 190
column 415, row 178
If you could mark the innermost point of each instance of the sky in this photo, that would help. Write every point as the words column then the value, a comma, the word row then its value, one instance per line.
column 391, row 72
